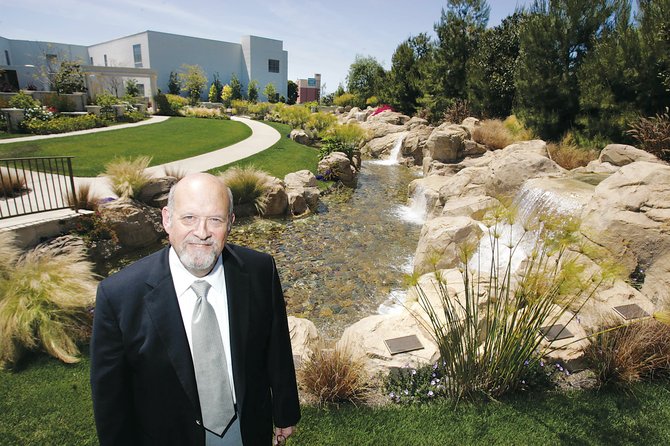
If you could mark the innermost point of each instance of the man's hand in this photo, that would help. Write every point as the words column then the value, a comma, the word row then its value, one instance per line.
column 281, row 434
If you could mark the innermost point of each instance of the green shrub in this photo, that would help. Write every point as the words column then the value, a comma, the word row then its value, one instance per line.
column 653, row 134
column 240, row 106
column 457, row 110
column 320, row 122
column 204, row 112
column 127, row 176
column 132, row 116
column 63, row 124
column 59, row 102
column 259, row 110
column 106, row 102
column 488, row 333
column 248, row 185
column 45, row 302
column 372, row 101
column 295, row 116
column 346, row 99
column 23, row 101
column 517, row 129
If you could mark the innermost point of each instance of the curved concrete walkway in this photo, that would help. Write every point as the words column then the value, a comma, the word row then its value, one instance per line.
column 262, row 137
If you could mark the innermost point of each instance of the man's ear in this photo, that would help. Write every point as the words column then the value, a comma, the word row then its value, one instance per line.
column 230, row 222
column 166, row 219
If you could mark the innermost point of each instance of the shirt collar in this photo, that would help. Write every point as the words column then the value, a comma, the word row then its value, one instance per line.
column 183, row 279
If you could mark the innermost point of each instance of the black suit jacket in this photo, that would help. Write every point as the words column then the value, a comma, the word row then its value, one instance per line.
column 142, row 377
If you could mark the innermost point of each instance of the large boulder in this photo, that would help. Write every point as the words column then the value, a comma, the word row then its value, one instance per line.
column 468, row 182
column 377, row 129
column 414, row 143
column 622, row 154
column 384, row 144
column 301, row 137
column 629, row 215
column 337, row 166
column 474, row 207
column 302, row 192
column 365, row 341
column 389, row 117
column 441, row 240
column 305, row 338
column 513, row 166
column 447, row 142
column 136, row 225
column 155, row 192
column 277, row 199
column 429, row 187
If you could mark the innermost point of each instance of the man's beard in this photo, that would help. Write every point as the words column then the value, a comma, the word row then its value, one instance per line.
column 197, row 259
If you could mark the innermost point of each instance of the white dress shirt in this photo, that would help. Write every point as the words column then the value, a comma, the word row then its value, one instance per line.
column 216, row 296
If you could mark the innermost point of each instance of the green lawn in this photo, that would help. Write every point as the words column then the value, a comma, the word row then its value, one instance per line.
column 285, row 156
column 48, row 403
column 174, row 139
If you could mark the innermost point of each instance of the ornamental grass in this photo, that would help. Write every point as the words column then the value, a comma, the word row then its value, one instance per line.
column 568, row 155
column 493, row 134
column 83, row 198
column 249, row 186
column 45, row 303
column 127, row 176
column 624, row 355
column 489, row 333
column 12, row 181
column 334, row 376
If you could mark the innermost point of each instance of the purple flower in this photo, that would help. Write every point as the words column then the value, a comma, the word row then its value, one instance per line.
column 526, row 362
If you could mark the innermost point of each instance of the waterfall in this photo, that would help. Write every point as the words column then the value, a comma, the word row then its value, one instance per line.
column 395, row 153
column 417, row 209
column 556, row 197
column 395, row 301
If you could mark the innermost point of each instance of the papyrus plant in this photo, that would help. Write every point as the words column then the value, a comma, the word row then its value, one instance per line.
column 489, row 332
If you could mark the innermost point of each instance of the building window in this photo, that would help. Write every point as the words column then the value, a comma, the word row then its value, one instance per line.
column 7, row 58
column 273, row 65
column 137, row 55
column 91, row 61
column 105, row 60
column 140, row 89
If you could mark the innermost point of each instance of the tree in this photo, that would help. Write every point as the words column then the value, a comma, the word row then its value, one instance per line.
column 226, row 95
column 291, row 92
column 365, row 77
column 490, row 70
column 554, row 41
column 212, row 93
column 340, row 90
column 252, row 91
column 69, row 78
column 218, row 87
column 270, row 92
column 403, row 87
column 193, row 81
column 458, row 32
column 236, row 88
column 132, row 89
column 174, row 84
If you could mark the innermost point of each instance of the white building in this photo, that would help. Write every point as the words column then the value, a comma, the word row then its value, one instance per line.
column 147, row 57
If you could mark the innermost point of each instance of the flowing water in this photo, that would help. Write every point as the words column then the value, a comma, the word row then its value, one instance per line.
column 347, row 261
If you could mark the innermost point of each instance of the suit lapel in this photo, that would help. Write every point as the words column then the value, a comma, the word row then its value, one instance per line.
column 237, row 290
column 161, row 303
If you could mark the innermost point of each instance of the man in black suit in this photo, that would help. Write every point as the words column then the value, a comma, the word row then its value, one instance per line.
column 146, row 389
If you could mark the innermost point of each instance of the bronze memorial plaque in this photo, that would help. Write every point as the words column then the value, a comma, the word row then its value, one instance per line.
column 556, row 332
column 403, row 344
column 631, row 311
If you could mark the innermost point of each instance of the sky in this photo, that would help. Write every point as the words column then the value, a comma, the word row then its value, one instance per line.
column 320, row 36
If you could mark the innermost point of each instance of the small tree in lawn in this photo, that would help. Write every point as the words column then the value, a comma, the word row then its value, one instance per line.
column 193, row 81
column 132, row 89
column 215, row 89
column 226, row 95
column 174, row 85
column 270, row 92
column 291, row 92
column 236, row 88
column 212, row 93
column 252, row 91
column 69, row 78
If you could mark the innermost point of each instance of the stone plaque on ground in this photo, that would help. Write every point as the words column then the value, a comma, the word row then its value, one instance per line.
column 556, row 332
column 403, row 344
column 631, row 311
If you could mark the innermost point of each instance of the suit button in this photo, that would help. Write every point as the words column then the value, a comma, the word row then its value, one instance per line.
column 198, row 422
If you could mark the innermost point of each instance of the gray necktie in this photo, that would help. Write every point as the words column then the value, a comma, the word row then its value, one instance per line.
column 209, row 359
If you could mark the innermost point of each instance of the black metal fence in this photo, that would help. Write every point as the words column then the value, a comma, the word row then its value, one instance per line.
column 40, row 184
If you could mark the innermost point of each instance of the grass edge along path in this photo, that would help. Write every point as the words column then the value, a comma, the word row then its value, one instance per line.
column 284, row 156
column 171, row 140
column 47, row 402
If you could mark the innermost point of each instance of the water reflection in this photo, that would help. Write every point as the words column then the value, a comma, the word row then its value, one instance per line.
column 340, row 265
